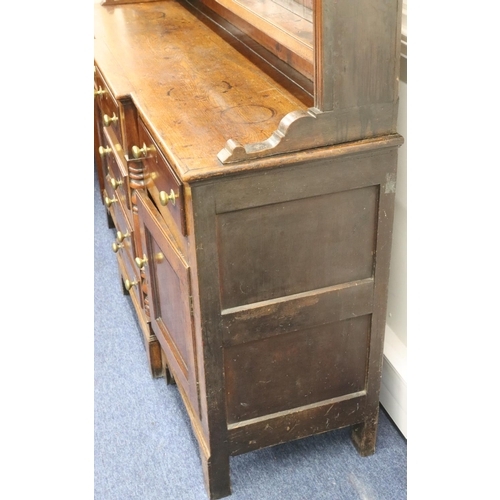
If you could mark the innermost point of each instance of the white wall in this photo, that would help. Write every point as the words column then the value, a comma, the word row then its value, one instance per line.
column 394, row 385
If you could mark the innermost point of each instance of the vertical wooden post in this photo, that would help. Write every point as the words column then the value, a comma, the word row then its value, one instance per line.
column 356, row 51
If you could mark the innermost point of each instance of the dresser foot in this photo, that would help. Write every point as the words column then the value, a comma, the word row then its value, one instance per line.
column 364, row 436
column 169, row 378
column 216, row 475
column 155, row 359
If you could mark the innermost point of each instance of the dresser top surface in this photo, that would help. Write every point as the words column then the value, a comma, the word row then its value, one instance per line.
column 193, row 90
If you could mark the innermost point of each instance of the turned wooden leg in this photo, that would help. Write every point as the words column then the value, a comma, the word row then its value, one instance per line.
column 364, row 436
column 216, row 475
column 155, row 359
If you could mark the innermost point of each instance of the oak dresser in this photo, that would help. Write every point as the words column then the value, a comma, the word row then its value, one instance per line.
column 247, row 153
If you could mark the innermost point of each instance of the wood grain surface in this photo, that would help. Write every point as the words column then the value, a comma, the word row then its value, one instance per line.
column 193, row 90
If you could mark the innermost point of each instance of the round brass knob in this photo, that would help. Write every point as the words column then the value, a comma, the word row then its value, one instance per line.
column 129, row 284
column 114, row 183
column 99, row 91
column 109, row 201
column 165, row 198
column 109, row 120
column 141, row 262
column 104, row 151
column 120, row 236
column 138, row 152
column 116, row 246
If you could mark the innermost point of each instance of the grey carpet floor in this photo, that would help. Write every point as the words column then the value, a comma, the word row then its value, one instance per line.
column 143, row 444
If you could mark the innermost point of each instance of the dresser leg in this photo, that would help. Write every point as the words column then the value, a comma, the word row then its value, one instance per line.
column 364, row 436
column 169, row 378
column 155, row 359
column 216, row 475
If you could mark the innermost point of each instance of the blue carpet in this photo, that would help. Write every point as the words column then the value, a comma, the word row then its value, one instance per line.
column 143, row 444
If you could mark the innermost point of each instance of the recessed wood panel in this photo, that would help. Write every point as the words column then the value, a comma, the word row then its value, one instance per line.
column 297, row 246
column 170, row 303
column 296, row 369
column 169, row 291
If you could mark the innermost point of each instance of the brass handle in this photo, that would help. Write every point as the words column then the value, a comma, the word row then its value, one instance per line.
column 116, row 246
column 165, row 198
column 108, row 121
column 129, row 284
column 108, row 201
column 120, row 236
column 104, row 151
column 114, row 183
column 99, row 91
column 138, row 152
column 141, row 262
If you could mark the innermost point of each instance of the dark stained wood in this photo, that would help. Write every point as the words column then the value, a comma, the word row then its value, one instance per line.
column 265, row 252
column 289, row 425
column 265, row 319
column 216, row 459
column 262, row 292
column 315, row 364
column 356, row 76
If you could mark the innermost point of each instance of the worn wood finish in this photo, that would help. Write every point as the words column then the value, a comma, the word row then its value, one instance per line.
column 291, row 33
column 118, row 192
column 179, row 67
column 261, row 292
column 293, row 59
column 98, row 160
column 169, row 284
column 258, row 47
column 356, row 74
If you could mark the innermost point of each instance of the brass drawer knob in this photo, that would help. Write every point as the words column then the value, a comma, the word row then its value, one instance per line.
column 116, row 246
column 99, row 91
column 114, row 183
column 104, row 151
column 141, row 262
column 129, row 284
column 165, row 198
column 109, row 201
column 120, row 236
column 109, row 120
column 137, row 152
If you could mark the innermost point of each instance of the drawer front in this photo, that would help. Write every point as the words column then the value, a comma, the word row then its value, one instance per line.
column 113, row 195
column 162, row 183
column 169, row 287
column 115, row 169
column 110, row 114
column 131, row 280
column 124, row 242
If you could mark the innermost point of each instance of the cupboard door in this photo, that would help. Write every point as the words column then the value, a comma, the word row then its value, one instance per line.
column 169, row 288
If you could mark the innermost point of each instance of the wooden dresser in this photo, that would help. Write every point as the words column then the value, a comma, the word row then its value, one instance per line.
column 250, row 180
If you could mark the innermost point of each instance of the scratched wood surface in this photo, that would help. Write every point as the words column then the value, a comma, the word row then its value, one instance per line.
column 193, row 90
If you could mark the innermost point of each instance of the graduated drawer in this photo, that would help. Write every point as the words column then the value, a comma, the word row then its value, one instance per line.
column 162, row 183
column 116, row 169
column 124, row 242
column 110, row 114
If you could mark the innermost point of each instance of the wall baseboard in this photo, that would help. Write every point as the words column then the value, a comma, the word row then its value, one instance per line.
column 393, row 389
